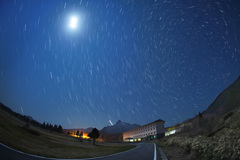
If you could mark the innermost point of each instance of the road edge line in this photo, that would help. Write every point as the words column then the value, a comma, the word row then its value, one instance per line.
column 155, row 152
column 36, row 156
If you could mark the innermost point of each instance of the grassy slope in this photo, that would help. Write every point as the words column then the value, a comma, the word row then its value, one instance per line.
column 13, row 134
column 223, row 144
column 220, row 141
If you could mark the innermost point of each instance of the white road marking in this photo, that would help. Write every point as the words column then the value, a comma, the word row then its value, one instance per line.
column 155, row 152
column 25, row 153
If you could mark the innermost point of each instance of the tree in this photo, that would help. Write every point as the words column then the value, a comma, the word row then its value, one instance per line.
column 59, row 129
column 94, row 134
column 81, row 134
column 51, row 127
column 43, row 125
column 55, row 128
column 77, row 133
column 47, row 126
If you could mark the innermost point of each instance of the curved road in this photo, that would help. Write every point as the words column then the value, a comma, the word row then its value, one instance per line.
column 144, row 151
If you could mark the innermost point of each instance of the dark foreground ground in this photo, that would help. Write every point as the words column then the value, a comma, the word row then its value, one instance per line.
column 143, row 151
column 177, row 153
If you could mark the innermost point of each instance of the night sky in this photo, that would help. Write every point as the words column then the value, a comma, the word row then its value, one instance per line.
column 89, row 63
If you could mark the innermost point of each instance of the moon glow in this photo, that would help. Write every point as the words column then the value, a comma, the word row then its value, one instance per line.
column 73, row 23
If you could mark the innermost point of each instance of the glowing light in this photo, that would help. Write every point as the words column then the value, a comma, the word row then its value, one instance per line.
column 73, row 23
column 110, row 122
column 84, row 136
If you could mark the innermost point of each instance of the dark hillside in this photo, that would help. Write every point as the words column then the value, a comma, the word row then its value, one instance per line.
column 213, row 134
column 226, row 101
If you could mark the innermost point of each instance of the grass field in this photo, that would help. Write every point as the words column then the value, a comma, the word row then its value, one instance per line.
column 15, row 134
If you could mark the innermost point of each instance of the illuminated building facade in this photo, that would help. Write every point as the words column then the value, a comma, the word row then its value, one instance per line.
column 177, row 128
column 154, row 130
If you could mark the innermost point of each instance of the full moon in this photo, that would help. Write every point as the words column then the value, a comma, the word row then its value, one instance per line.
column 73, row 23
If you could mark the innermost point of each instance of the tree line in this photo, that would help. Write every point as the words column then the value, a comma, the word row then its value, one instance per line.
column 79, row 134
column 50, row 127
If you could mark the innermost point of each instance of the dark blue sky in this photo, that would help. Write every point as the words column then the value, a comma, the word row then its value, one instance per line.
column 137, row 61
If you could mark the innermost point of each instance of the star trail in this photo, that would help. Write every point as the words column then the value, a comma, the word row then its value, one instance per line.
column 91, row 63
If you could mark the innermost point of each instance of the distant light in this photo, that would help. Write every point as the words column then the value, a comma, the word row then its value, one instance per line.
column 73, row 23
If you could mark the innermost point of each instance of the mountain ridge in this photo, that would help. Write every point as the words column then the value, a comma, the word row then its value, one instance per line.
column 119, row 127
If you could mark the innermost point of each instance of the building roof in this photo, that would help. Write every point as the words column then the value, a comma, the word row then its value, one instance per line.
column 159, row 120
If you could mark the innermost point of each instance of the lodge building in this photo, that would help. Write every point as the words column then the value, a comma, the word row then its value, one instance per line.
column 153, row 130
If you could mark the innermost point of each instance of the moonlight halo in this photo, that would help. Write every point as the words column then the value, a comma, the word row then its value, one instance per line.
column 73, row 22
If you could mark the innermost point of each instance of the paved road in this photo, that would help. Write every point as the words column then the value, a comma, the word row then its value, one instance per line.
column 144, row 151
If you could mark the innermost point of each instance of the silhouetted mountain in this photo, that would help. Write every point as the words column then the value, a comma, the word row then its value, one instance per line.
column 5, row 108
column 30, row 118
column 119, row 127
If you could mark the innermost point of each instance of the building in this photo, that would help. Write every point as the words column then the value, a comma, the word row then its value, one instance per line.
column 154, row 130
column 177, row 128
